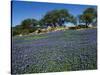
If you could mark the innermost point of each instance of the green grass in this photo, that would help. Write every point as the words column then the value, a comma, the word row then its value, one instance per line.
column 35, row 37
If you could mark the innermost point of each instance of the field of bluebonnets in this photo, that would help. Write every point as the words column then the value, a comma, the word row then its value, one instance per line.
column 68, row 50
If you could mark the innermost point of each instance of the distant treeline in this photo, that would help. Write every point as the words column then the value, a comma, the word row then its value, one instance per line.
column 56, row 18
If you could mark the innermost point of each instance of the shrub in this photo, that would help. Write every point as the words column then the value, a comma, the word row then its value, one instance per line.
column 25, row 31
column 15, row 32
column 82, row 26
column 32, row 30
column 72, row 28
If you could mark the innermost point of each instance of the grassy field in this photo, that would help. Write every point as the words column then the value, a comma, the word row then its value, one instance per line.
column 68, row 50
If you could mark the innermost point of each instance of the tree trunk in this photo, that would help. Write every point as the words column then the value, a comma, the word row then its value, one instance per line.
column 86, row 24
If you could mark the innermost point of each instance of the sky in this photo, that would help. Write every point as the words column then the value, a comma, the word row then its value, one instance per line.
column 23, row 9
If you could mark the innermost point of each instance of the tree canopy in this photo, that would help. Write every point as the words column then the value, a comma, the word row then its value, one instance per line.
column 56, row 17
column 28, row 23
column 88, row 16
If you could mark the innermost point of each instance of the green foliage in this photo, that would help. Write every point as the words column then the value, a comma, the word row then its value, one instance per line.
column 72, row 28
column 16, row 30
column 28, row 23
column 27, row 26
column 56, row 17
column 88, row 16
column 82, row 26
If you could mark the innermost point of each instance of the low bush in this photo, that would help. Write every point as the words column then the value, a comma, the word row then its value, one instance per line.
column 82, row 26
column 72, row 28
